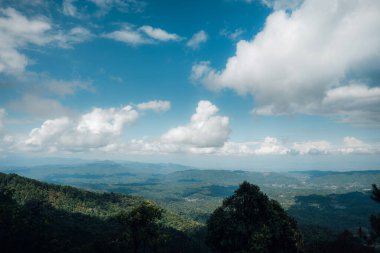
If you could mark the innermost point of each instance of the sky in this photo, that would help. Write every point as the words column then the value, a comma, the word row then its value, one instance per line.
column 240, row 84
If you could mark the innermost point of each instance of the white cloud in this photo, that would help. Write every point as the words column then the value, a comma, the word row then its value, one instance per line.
column 268, row 146
column 353, row 145
column 205, row 129
column 206, row 134
column 100, row 121
column 155, row 105
column 143, row 35
column 312, row 147
column 238, row 148
column 271, row 146
column 49, row 132
column 159, row 34
column 197, row 39
column 18, row 32
column 282, row 4
column 94, row 130
column 290, row 66
column 129, row 36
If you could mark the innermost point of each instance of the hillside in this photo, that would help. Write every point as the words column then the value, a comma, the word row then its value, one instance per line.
column 195, row 193
column 45, row 216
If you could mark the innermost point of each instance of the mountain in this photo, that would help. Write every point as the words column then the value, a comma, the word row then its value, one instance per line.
column 196, row 193
column 41, row 217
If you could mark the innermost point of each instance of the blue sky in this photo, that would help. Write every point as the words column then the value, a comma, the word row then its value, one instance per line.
column 253, row 84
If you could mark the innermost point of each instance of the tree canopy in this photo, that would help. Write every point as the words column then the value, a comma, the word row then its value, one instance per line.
column 248, row 221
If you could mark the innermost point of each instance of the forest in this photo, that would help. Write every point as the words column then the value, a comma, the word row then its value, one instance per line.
column 42, row 217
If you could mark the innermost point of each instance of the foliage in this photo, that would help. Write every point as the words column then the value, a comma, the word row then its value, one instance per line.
column 375, row 193
column 375, row 219
column 345, row 242
column 39, row 217
column 248, row 221
column 140, row 226
column 334, row 211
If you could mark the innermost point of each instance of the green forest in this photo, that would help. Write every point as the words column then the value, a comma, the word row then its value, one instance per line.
column 42, row 217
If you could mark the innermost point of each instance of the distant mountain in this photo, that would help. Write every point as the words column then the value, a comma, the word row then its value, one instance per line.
column 36, row 161
column 82, row 167
column 320, row 173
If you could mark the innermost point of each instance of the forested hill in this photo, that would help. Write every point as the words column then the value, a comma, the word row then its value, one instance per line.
column 41, row 217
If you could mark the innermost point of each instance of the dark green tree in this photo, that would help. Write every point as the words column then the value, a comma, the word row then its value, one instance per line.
column 248, row 221
column 345, row 242
column 142, row 229
column 375, row 219
column 375, row 193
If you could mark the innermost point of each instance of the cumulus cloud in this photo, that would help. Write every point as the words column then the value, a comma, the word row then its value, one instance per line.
column 197, row 39
column 268, row 146
column 272, row 146
column 312, row 147
column 206, row 129
column 143, row 35
column 112, row 121
column 353, row 145
column 18, row 31
column 155, row 105
column 206, row 134
column 293, row 63
column 49, row 132
column 96, row 129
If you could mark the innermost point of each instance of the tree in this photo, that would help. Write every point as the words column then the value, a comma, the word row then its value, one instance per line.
column 248, row 221
column 375, row 219
column 142, row 228
column 345, row 242
column 375, row 193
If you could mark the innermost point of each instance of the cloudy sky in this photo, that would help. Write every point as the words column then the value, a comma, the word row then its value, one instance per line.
column 252, row 84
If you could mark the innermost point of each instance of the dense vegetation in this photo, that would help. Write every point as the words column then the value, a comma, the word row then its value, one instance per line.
column 311, row 197
column 249, row 221
column 41, row 217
